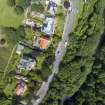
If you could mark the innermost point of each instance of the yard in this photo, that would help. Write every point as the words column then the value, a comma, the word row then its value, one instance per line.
column 5, row 51
column 7, row 15
column 45, row 60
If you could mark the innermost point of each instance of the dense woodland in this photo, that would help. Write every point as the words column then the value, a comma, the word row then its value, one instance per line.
column 80, row 61
column 92, row 92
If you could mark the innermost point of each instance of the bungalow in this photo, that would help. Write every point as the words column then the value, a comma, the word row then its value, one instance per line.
column 42, row 42
column 27, row 63
column 49, row 26
column 21, row 88
column 52, row 7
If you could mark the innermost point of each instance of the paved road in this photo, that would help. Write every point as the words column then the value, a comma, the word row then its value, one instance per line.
column 68, row 28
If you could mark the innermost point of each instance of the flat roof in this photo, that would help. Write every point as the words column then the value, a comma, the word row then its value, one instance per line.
column 48, row 26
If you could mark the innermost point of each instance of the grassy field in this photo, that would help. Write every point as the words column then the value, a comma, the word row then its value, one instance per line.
column 5, row 52
column 7, row 15
column 8, row 18
column 4, row 55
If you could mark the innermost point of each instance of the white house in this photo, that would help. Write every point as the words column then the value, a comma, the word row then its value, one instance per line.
column 49, row 26
column 58, row 2
column 52, row 8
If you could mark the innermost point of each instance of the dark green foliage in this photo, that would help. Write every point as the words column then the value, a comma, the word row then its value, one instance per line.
column 11, row 2
column 46, row 67
column 37, row 8
column 19, row 10
column 15, row 34
column 23, row 3
column 21, row 31
column 92, row 92
column 11, row 33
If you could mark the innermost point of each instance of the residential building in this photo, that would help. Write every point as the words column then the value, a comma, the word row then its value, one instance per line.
column 52, row 8
column 19, row 49
column 49, row 26
column 19, row 77
column 27, row 63
column 42, row 42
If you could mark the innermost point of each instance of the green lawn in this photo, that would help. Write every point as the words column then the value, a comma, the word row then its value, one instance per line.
column 8, row 16
column 5, row 53
column 6, row 50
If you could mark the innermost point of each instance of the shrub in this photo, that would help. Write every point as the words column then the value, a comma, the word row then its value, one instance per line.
column 23, row 3
column 19, row 10
column 11, row 2
column 37, row 7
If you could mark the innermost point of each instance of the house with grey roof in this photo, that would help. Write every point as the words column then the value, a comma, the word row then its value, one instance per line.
column 49, row 26
column 27, row 63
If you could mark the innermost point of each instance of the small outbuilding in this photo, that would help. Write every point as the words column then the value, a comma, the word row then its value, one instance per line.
column 19, row 49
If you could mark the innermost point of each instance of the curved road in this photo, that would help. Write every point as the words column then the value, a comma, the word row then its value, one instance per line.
column 68, row 28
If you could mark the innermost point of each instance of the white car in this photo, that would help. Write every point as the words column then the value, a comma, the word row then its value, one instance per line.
column 66, row 43
column 70, row 8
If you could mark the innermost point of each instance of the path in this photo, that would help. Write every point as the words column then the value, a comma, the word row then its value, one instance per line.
column 6, row 68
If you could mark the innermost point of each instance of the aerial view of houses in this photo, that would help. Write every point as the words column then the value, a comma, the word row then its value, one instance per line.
column 34, row 44
column 52, row 52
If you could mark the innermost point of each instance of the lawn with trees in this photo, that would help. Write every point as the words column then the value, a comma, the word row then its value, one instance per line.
column 8, row 17
column 44, row 61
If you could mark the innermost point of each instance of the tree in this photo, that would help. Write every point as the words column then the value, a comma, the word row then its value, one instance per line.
column 66, row 4
column 23, row 3
column 11, row 2
column 19, row 10
column 37, row 8
column 79, row 60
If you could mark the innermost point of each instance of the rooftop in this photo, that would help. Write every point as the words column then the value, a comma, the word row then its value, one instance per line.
column 29, row 23
column 49, row 26
column 42, row 42
column 19, row 49
column 21, row 88
column 52, row 7
column 27, row 63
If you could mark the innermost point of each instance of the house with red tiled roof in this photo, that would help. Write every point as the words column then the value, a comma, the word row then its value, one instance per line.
column 21, row 88
column 42, row 42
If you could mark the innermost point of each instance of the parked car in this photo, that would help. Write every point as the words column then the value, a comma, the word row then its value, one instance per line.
column 66, row 43
column 70, row 8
